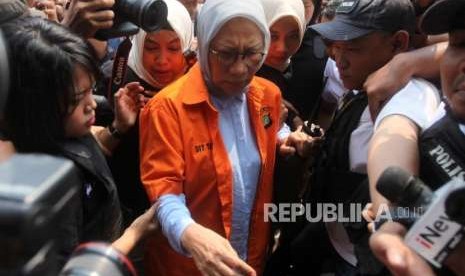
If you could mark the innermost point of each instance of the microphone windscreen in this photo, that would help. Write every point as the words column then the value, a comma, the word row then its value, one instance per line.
column 455, row 206
column 393, row 182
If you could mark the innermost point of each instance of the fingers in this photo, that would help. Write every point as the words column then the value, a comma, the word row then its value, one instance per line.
column 221, row 269
column 368, row 213
column 87, row 16
column 388, row 246
column 134, row 87
column 149, row 93
column 135, row 91
column 301, row 141
column 141, row 101
column 101, row 19
column 285, row 150
column 132, row 90
column 212, row 253
column 94, row 5
column 369, row 216
column 239, row 266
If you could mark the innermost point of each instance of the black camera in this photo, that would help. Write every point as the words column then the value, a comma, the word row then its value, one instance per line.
column 35, row 192
column 150, row 15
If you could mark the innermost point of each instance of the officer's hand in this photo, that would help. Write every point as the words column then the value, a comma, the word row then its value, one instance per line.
column 388, row 246
column 382, row 84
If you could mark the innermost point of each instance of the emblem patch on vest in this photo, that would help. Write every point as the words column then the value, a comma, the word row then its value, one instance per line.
column 347, row 6
column 265, row 114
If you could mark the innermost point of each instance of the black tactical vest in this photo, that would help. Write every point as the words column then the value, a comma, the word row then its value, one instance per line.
column 442, row 152
column 332, row 179
column 442, row 157
column 334, row 182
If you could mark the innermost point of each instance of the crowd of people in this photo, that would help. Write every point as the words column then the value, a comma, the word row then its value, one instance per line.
column 215, row 119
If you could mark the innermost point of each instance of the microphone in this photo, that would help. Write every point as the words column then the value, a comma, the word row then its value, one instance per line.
column 403, row 189
column 455, row 206
column 433, row 235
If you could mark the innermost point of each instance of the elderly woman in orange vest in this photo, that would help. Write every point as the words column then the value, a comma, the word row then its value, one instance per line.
column 208, row 150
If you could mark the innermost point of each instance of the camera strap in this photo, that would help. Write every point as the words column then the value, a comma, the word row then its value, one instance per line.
column 118, row 73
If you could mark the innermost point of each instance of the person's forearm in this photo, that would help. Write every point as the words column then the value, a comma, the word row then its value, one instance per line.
column 126, row 242
column 174, row 218
column 423, row 62
column 105, row 140
column 393, row 144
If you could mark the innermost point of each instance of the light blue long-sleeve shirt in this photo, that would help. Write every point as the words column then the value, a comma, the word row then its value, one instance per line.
column 239, row 141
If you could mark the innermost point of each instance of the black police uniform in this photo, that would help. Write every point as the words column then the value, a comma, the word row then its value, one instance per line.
column 442, row 152
column 442, row 156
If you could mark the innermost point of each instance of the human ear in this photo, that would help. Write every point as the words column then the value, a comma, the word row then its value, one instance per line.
column 400, row 41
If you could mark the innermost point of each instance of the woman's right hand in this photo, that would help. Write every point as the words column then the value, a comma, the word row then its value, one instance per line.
column 213, row 254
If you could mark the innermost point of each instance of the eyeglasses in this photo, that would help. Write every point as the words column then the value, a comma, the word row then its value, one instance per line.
column 251, row 58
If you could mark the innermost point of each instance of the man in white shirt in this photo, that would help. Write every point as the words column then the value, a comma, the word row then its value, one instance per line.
column 363, row 37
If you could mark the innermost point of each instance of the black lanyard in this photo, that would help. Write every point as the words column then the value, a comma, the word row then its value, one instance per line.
column 118, row 73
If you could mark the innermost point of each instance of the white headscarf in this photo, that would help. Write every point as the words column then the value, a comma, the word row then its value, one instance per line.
column 180, row 20
column 277, row 9
column 215, row 13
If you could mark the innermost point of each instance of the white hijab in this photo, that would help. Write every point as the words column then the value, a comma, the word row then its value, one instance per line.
column 277, row 9
column 215, row 13
column 179, row 19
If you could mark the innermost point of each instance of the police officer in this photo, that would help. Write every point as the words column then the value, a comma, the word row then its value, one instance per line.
column 442, row 146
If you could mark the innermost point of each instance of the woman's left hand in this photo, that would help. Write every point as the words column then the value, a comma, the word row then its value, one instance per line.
column 128, row 101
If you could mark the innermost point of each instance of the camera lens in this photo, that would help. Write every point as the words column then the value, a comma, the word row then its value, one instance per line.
column 130, row 15
column 148, row 15
column 152, row 15
column 97, row 258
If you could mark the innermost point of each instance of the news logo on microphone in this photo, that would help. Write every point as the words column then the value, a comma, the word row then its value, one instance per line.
column 434, row 234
